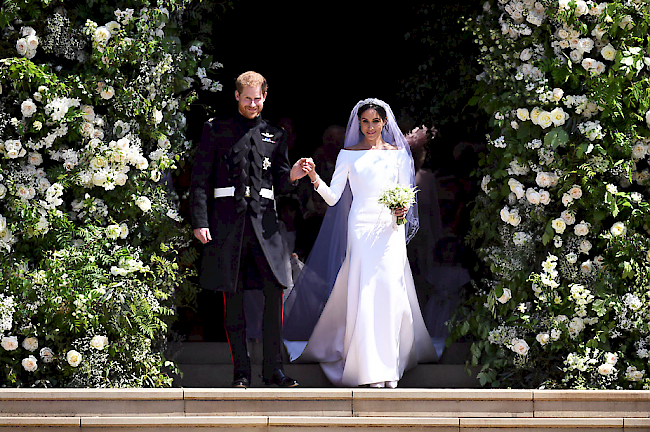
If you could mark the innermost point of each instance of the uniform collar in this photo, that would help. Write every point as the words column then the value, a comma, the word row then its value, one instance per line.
column 248, row 123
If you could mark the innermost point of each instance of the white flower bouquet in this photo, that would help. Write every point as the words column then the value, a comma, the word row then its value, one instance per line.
column 398, row 197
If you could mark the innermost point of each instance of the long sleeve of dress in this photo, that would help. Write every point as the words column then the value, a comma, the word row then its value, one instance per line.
column 332, row 193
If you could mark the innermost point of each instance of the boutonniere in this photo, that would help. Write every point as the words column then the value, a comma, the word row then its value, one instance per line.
column 266, row 163
column 266, row 137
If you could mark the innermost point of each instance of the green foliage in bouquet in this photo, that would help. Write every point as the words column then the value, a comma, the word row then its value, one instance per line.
column 562, row 221
column 93, row 253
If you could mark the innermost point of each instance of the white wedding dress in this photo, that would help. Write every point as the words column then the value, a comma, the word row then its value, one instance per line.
column 371, row 329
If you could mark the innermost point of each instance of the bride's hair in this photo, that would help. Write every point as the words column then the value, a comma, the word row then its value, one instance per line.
column 380, row 110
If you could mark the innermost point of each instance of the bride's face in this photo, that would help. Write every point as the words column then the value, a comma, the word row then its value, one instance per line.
column 371, row 124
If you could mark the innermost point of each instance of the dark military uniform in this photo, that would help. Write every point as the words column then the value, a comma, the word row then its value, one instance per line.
column 240, row 165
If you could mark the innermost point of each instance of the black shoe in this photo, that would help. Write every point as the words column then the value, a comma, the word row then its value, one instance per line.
column 281, row 380
column 241, row 382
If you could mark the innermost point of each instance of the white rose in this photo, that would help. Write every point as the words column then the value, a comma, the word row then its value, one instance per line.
column 29, row 363
column 505, row 215
column 121, row 179
column 581, row 229
column 586, row 267
column 568, row 217
column 99, row 342
column 22, row 46
column 572, row 258
column 507, row 295
column 567, row 200
column 618, row 229
column 575, row 192
column 144, row 203
column 584, row 246
column 611, row 358
column 555, row 334
column 9, row 343
column 608, row 52
column 558, row 93
column 102, row 35
column 534, row 114
column 626, row 23
column 526, row 55
column 32, row 42
column 558, row 116
column 532, row 196
column 558, row 225
column 35, row 158
column 581, row 8
column 544, row 197
column 47, row 355
column 113, row 231
column 73, row 357
column 523, row 114
column 107, row 92
column 514, row 219
column 543, row 338
column 520, row 347
column 605, row 369
column 30, row 344
column 544, row 120
column 28, row 108
column 124, row 231
column 647, row 117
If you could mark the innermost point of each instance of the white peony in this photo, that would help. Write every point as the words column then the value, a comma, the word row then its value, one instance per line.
column 74, row 358
column 30, row 364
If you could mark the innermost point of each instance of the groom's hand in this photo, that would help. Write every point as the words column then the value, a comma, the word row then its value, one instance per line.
column 203, row 234
column 300, row 169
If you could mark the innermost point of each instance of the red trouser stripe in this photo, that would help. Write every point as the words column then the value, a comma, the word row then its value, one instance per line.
column 232, row 358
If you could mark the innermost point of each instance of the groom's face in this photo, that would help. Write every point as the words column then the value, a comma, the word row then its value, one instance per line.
column 250, row 101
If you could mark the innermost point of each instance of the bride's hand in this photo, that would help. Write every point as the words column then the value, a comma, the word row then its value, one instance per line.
column 400, row 212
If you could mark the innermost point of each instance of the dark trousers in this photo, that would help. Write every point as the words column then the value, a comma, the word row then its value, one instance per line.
column 254, row 273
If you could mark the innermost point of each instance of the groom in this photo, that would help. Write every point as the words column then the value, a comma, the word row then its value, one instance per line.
column 240, row 165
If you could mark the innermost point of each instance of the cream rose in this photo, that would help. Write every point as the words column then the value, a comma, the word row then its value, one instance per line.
column 144, row 203
column 581, row 229
column 605, row 369
column 558, row 116
column 575, row 192
column 523, row 114
column 584, row 246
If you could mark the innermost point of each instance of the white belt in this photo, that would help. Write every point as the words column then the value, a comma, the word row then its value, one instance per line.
column 230, row 191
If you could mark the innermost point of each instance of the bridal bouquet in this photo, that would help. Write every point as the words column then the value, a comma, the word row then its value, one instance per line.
column 398, row 197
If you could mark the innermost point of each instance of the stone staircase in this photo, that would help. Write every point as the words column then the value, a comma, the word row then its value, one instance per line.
column 326, row 410
column 208, row 364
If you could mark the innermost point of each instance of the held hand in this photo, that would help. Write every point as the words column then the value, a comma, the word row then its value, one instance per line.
column 301, row 168
column 400, row 212
column 203, row 234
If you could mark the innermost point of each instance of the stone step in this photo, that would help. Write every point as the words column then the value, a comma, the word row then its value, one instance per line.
column 314, row 424
column 219, row 353
column 311, row 375
column 348, row 403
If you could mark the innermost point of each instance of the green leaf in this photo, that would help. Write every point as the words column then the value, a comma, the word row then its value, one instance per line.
column 556, row 137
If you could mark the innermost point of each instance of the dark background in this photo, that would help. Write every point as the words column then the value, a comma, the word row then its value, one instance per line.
column 318, row 64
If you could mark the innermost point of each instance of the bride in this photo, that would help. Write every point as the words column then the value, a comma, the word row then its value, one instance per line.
column 355, row 302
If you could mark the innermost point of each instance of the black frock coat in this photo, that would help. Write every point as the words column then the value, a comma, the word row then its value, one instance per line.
column 239, row 152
